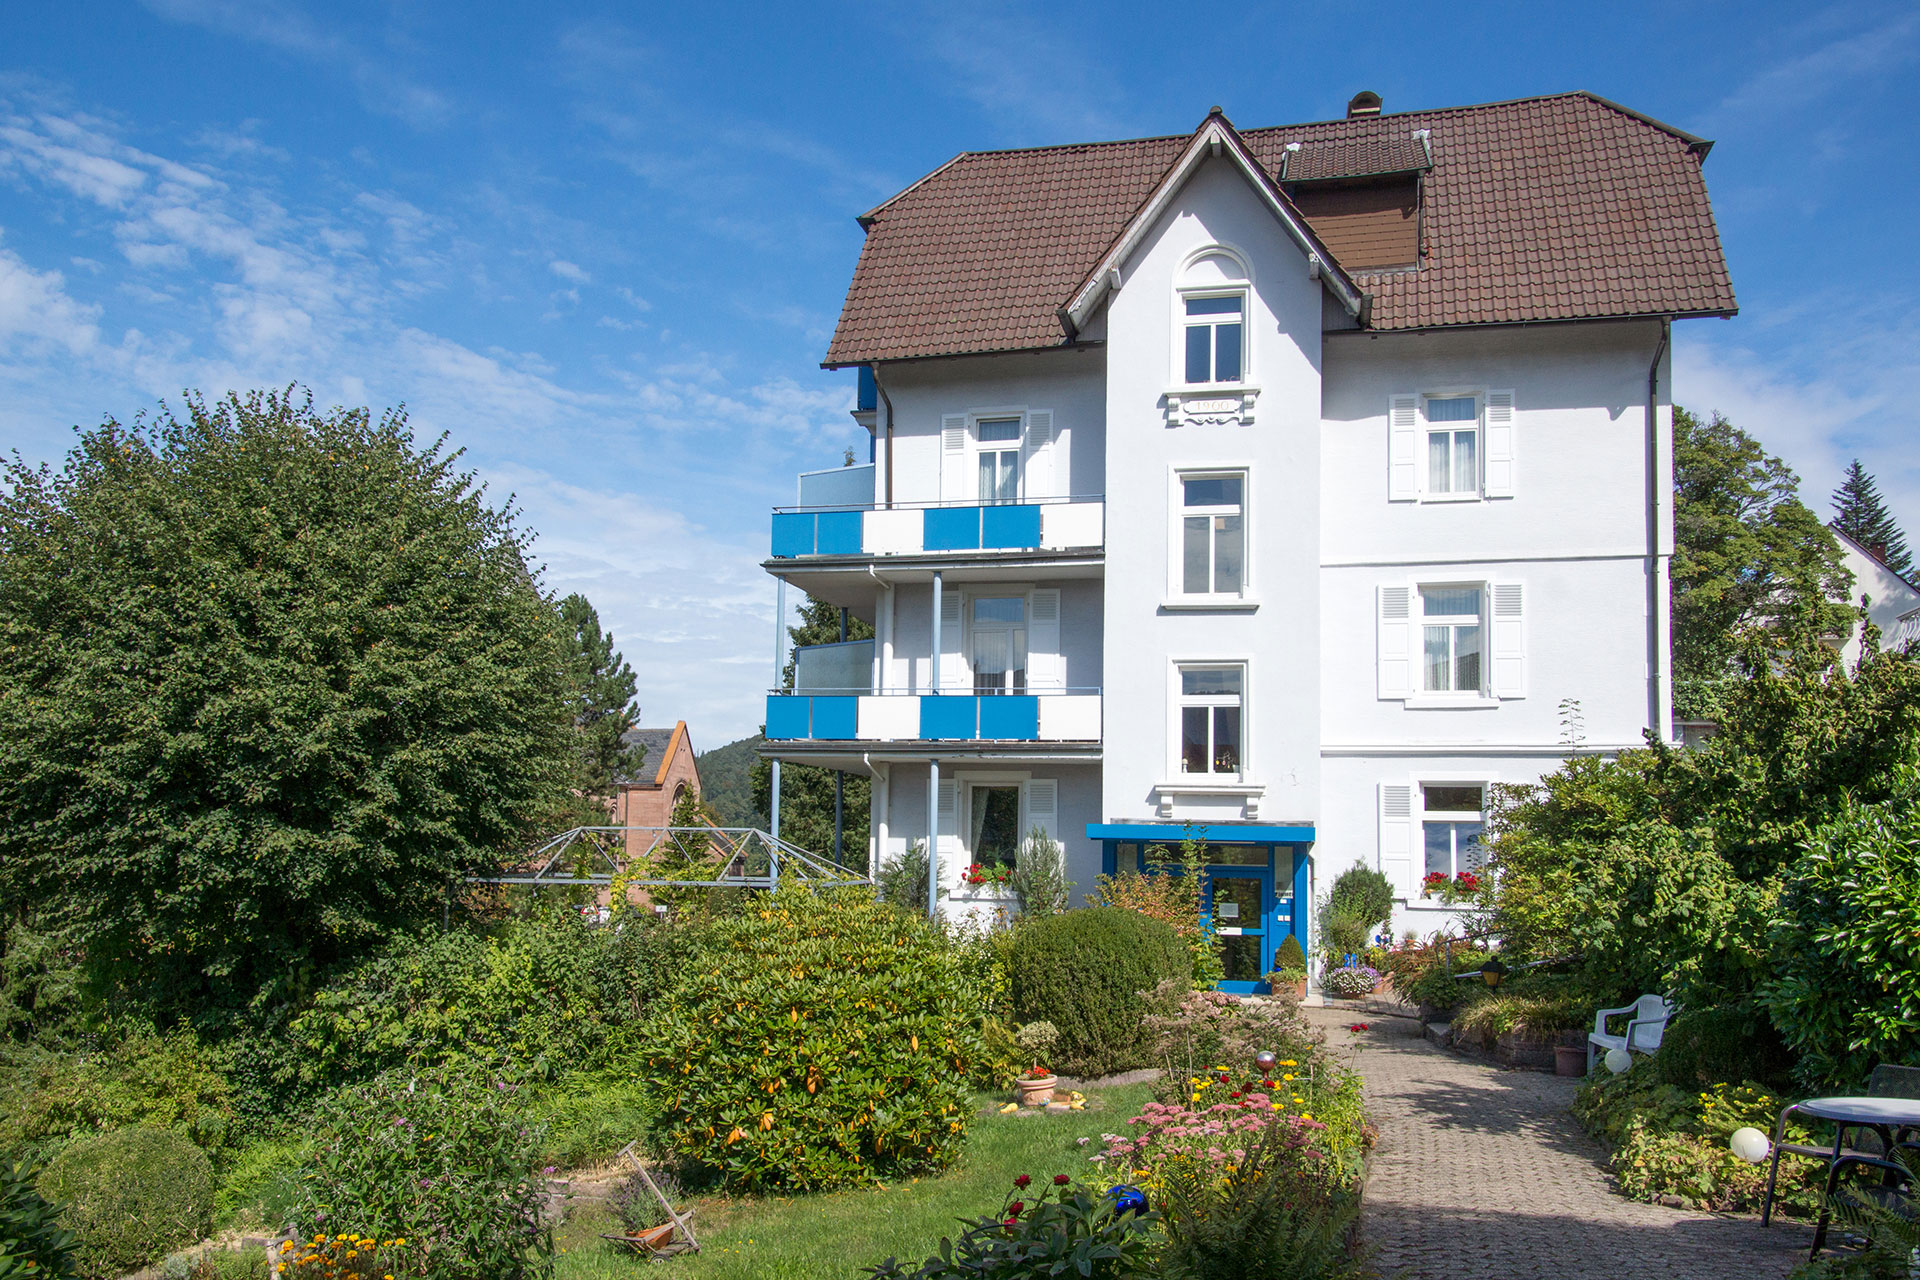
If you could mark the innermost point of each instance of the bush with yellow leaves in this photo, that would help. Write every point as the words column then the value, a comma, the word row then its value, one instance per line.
column 818, row 1038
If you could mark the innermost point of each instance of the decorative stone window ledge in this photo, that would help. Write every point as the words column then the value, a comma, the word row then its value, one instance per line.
column 1210, row 406
column 1248, row 793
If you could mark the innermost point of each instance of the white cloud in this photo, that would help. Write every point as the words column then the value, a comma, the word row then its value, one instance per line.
column 1840, row 65
column 36, row 313
column 1845, row 396
column 568, row 271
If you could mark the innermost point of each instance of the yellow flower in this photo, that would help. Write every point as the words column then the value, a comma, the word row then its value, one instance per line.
column 1286, row 1075
column 1306, row 1115
column 1288, row 1062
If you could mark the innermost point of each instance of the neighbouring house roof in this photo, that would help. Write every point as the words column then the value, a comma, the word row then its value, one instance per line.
column 661, row 745
column 1545, row 209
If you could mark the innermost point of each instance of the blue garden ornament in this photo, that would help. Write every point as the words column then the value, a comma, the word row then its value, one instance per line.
column 1128, row 1199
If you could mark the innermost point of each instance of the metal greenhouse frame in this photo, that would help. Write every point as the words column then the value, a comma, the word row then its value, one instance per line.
column 749, row 859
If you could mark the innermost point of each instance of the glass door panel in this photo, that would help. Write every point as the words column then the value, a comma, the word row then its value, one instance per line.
column 1237, row 901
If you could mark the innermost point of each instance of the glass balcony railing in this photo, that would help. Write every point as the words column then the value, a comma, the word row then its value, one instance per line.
column 1053, row 524
column 1065, row 715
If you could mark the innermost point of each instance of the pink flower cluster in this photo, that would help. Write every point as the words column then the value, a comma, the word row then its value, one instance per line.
column 1219, row 1133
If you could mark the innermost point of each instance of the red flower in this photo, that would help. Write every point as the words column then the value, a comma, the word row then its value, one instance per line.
column 1358, row 1026
column 1015, row 1209
column 1061, row 1179
column 1022, row 1181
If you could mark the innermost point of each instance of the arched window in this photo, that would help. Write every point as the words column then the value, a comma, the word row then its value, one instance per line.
column 1212, row 300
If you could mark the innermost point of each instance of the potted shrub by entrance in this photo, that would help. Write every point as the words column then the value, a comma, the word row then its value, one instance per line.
column 1289, row 969
column 1350, row 982
column 1036, row 1083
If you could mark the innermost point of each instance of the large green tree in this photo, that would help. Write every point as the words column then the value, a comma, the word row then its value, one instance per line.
column 807, row 792
column 1747, row 552
column 602, row 693
column 1861, row 514
column 271, row 681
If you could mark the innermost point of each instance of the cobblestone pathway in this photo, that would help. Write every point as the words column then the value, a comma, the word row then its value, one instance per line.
column 1481, row 1174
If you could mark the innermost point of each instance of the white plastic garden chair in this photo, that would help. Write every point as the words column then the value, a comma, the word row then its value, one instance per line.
column 1646, row 1024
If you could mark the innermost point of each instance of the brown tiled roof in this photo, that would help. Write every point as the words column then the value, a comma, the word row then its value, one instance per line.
column 1399, row 152
column 1561, row 208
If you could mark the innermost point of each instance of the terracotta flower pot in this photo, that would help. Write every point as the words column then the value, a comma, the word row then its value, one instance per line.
column 1036, row 1093
column 1569, row 1060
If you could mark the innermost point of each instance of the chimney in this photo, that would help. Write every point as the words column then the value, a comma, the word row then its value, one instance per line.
column 1363, row 103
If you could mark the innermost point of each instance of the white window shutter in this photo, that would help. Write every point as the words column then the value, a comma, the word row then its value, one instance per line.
column 1038, row 469
column 1403, row 448
column 1043, row 805
column 948, row 819
column 1396, row 641
column 954, row 480
column 953, row 644
column 1396, row 836
column 1509, row 640
column 1046, row 667
column 1499, row 452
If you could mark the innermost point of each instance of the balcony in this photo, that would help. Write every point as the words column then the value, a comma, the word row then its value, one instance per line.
column 1068, row 715
column 861, row 529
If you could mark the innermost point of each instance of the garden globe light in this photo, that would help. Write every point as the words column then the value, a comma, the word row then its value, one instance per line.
column 1266, row 1061
column 1128, row 1199
column 1750, row 1145
column 1618, row 1060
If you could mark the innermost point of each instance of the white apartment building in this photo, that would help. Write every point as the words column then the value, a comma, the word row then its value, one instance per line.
column 1281, row 484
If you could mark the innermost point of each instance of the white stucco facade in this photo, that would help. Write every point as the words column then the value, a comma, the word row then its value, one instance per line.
column 1325, row 742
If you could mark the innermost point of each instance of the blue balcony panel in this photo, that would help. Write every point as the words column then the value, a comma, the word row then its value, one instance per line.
column 952, row 529
column 837, row 717
column 792, row 534
column 1005, row 528
column 948, row 715
column 838, row 534
column 786, row 716
column 1014, row 716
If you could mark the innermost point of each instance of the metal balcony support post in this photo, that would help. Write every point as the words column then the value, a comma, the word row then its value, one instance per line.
column 936, row 632
column 839, row 779
column 779, row 664
column 773, row 819
column 933, row 813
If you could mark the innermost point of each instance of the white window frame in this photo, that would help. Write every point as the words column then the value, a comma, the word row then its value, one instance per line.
column 1424, row 444
column 1016, row 446
column 964, row 783
column 1177, row 596
column 969, row 600
column 1423, row 816
column 1241, row 293
column 1451, row 621
column 1177, row 701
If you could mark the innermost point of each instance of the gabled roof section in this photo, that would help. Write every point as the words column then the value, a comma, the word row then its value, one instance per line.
column 1545, row 209
column 1215, row 136
column 662, row 746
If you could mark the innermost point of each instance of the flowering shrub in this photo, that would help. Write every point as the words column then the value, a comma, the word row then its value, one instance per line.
column 344, row 1256
column 1060, row 1229
column 439, row 1163
column 821, row 1038
column 1351, row 980
column 1192, row 1030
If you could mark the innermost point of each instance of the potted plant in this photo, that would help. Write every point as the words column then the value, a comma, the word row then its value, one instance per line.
column 1350, row 982
column 1036, row 1083
column 1289, row 969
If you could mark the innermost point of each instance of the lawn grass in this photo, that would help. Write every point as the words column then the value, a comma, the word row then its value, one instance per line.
column 835, row 1234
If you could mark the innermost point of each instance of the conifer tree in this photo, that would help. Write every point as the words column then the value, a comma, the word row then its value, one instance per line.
column 1860, row 513
column 602, row 689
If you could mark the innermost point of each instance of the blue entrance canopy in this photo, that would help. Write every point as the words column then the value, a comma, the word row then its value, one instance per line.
column 1223, row 832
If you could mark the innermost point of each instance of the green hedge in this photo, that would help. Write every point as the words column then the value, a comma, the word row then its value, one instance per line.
column 1087, row 972
column 133, row 1196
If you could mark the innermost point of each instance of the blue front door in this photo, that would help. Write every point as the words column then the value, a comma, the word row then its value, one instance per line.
column 1239, row 901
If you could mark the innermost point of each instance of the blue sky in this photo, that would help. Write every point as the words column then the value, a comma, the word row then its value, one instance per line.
column 604, row 245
